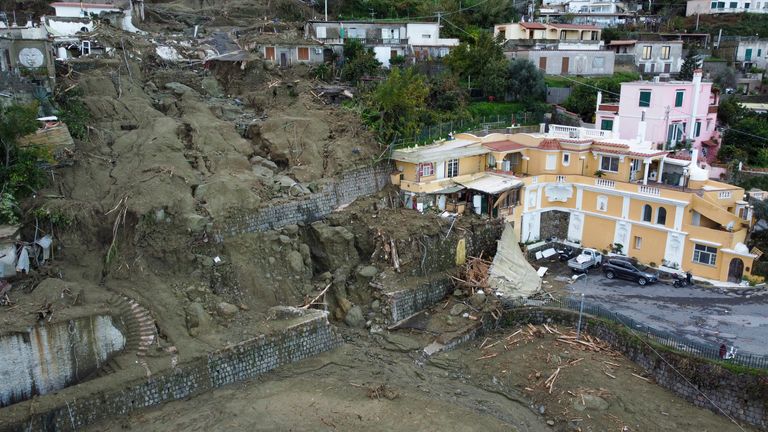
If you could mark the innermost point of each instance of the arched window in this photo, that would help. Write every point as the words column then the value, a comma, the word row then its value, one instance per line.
column 661, row 216
column 647, row 213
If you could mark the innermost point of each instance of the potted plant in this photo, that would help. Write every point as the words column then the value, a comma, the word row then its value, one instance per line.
column 599, row 174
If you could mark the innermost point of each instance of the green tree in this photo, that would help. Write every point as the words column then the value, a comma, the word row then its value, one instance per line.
column 525, row 82
column 20, row 172
column 690, row 64
column 480, row 62
column 446, row 93
column 730, row 112
column 358, row 61
column 397, row 104
column 749, row 147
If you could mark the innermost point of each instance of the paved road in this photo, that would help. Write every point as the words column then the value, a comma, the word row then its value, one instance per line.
column 705, row 315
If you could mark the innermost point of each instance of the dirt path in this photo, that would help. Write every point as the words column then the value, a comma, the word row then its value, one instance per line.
column 452, row 391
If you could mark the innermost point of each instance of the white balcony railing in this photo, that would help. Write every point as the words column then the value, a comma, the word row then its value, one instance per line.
column 561, row 179
column 578, row 132
column 649, row 190
column 605, row 183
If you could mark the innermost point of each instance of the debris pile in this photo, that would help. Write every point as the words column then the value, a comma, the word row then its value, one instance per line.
column 473, row 275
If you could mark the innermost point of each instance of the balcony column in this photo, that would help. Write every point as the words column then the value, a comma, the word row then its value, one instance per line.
column 647, row 164
column 661, row 170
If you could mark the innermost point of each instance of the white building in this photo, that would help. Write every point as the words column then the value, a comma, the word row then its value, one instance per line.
column 73, row 9
column 708, row 7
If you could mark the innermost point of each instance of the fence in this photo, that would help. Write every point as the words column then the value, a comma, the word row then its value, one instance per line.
column 660, row 337
column 486, row 124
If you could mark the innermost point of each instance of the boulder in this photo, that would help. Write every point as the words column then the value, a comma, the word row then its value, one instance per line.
column 590, row 402
column 296, row 262
column 354, row 318
column 458, row 309
column 179, row 88
column 367, row 272
column 197, row 319
column 332, row 247
column 226, row 310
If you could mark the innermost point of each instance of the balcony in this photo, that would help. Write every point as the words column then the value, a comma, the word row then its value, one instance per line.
column 572, row 132
column 365, row 41
column 614, row 108
column 712, row 109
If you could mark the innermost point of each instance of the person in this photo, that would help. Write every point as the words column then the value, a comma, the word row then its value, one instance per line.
column 723, row 351
column 688, row 277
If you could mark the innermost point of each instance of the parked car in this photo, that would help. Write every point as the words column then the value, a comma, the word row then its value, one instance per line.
column 587, row 259
column 621, row 268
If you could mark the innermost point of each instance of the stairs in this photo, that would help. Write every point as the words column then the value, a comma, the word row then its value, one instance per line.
column 137, row 326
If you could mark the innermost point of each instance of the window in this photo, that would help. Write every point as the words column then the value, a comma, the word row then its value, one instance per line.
column 704, row 254
column 714, row 5
column 697, row 131
column 645, row 98
column 665, row 52
column 453, row 167
column 551, row 162
column 667, row 67
column 566, row 159
column 606, row 124
column 320, row 32
column 647, row 213
column 491, row 161
column 269, row 53
column 426, row 169
column 679, row 96
column 602, row 203
column 303, row 53
column 675, row 132
column 426, row 36
column 661, row 216
column 746, row 5
column 638, row 242
column 759, row 52
column 733, row 5
column 647, row 50
column 609, row 164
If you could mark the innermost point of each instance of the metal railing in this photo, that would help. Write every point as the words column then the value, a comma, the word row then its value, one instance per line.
column 678, row 343
column 479, row 126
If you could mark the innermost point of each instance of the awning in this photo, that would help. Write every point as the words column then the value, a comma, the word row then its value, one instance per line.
column 491, row 183
column 448, row 190
column 709, row 143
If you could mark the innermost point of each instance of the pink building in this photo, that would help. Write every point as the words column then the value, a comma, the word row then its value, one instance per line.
column 674, row 111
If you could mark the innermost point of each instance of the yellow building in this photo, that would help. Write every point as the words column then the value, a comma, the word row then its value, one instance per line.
column 584, row 186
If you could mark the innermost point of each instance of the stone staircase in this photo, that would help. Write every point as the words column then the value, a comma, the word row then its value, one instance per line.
column 137, row 326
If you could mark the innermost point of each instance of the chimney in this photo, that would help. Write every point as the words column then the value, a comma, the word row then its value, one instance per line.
column 697, row 76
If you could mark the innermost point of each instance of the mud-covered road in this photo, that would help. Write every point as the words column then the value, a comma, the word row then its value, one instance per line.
column 702, row 314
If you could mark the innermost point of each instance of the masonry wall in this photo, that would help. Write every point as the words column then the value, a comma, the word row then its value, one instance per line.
column 436, row 255
column 240, row 362
column 742, row 396
column 343, row 190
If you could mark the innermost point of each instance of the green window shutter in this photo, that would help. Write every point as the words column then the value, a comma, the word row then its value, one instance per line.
column 606, row 125
column 645, row 99
column 697, row 132
column 679, row 98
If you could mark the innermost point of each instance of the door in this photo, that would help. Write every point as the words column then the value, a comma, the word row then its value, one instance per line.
column 327, row 55
column 283, row 60
column 667, row 67
column 440, row 170
column 565, row 66
column 735, row 270
column 543, row 64
column 748, row 54
column 269, row 53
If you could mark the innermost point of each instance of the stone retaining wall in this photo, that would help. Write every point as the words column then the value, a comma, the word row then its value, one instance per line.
column 405, row 303
column 743, row 396
column 343, row 190
column 240, row 362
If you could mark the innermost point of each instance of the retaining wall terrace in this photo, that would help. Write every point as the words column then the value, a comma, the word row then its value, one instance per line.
column 343, row 190
column 742, row 395
column 240, row 362
column 439, row 256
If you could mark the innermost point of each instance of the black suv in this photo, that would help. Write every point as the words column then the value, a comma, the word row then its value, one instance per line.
column 624, row 269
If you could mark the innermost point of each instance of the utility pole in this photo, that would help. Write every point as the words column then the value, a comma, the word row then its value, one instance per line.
column 326, row 10
column 697, row 21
